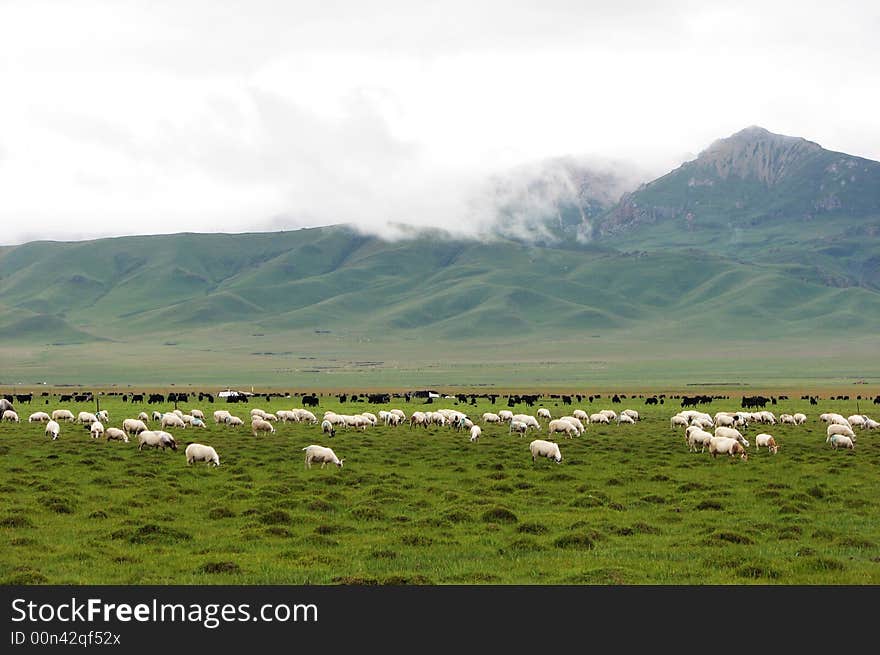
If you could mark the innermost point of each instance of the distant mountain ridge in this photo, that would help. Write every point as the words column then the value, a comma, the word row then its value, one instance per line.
column 762, row 234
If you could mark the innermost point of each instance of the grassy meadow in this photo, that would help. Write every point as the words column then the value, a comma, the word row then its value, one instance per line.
column 628, row 504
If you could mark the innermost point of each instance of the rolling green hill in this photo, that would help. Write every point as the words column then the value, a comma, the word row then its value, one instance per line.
column 734, row 252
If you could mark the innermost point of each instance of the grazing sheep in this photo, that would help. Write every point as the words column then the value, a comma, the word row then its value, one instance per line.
column 198, row 423
column 548, row 449
column 196, row 452
column 418, row 418
column 576, row 422
column 133, row 426
column 285, row 415
column 86, row 418
column 177, row 411
column 544, row 413
column 529, row 420
column 727, row 446
column 731, row 433
column 115, row 434
column 261, row 425
column 489, row 417
column 561, row 425
column 725, row 421
column 103, row 416
column 787, row 419
column 836, row 428
column 63, row 415
column 233, row 421
column 371, row 417
column 143, row 416
column 197, row 413
column 696, row 435
column 156, row 439
column 610, row 413
column 599, row 417
column 840, row 441
column 156, row 415
column 633, row 414
column 256, row 411
column 315, row 453
column 856, row 421
column 506, row 415
column 96, row 429
column 393, row 419
column 38, row 417
column 475, row 432
column 220, row 415
column 327, row 427
column 54, row 429
column 172, row 421
column 678, row 421
column 517, row 426
column 305, row 416
column 800, row 419
column 766, row 440
column 11, row 416
column 871, row 424
column 625, row 418
column 581, row 415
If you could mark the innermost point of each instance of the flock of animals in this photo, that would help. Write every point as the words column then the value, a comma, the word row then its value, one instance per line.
column 726, row 437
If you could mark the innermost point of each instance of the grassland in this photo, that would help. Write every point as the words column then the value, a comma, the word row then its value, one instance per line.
column 628, row 505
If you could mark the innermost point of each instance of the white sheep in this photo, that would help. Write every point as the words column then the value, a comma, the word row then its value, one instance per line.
column 96, row 429
column 840, row 441
column 196, row 452
column 856, row 420
column 490, row 417
column 327, row 427
column 234, row 421
column 133, row 426
column 561, row 425
column 548, row 449
column 285, row 415
column 103, row 416
column 633, row 414
column 727, row 446
column 197, row 413
column 261, row 425
column 517, row 426
column 86, row 418
column 581, row 415
column 177, row 411
column 53, row 428
column 800, row 419
column 63, row 415
column 172, row 421
column 220, row 415
column 599, row 417
column 836, row 428
column 610, row 413
column 418, row 418
column 678, row 421
column 544, row 414
column 626, row 419
column 399, row 413
column 871, row 424
column 528, row 419
column 156, row 439
column 11, row 415
column 731, row 433
column 143, row 416
column 256, row 411
column 315, row 453
column 725, row 420
column 787, row 419
column 506, row 415
column 305, row 416
column 156, row 415
column 115, row 434
column 696, row 435
column 576, row 422
column 475, row 432
column 766, row 441
column 38, row 417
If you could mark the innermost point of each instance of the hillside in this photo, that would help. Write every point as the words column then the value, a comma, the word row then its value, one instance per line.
column 762, row 197
column 762, row 243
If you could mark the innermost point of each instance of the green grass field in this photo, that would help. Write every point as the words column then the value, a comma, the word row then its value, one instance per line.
column 628, row 505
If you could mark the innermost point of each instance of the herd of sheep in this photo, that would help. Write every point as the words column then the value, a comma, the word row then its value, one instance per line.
column 726, row 437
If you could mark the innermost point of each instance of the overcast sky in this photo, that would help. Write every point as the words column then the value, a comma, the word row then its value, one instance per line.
column 218, row 115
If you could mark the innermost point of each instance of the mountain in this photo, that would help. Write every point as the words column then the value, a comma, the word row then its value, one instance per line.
column 763, row 239
column 762, row 197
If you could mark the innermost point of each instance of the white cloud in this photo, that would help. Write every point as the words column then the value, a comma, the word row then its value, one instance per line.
column 145, row 117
